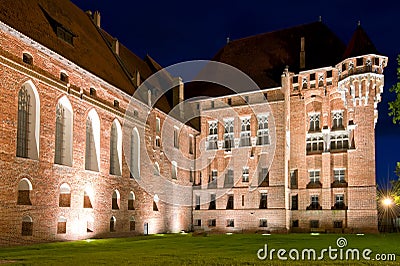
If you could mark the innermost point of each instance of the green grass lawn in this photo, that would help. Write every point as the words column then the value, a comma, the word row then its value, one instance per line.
column 190, row 250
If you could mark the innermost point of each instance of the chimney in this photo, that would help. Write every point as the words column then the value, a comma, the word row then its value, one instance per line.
column 302, row 53
column 115, row 46
column 96, row 18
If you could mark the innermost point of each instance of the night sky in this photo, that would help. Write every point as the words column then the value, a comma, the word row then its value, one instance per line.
column 177, row 31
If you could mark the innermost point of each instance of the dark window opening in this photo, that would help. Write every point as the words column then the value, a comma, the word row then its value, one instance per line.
column 64, row 77
column 92, row 92
column 295, row 223
column 263, row 201
column 197, row 222
column 343, row 67
column 263, row 178
column 27, row 228
column 27, row 59
column 360, row 61
column 212, row 205
column 376, row 61
column 112, row 224
column 263, row 223
column 155, row 207
column 314, row 224
column 229, row 101
column 131, row 204
column 229, row 205
column 132, row 225
column 212, row 222
column 329, row 74
column 229, row 178
column 230, row 223
column 338, row 224
column 23, row 197
column 294, row 179
column 296, row 79
column 65, row 35
column 295, row 202
column 115, row 204
column 312, row 76
column 116, row 103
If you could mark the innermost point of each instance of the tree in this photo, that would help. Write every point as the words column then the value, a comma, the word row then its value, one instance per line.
column 394, row 107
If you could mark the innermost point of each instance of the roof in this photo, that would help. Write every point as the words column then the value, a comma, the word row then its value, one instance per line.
column 91, row 46
column 360, row 44
column 264, row 57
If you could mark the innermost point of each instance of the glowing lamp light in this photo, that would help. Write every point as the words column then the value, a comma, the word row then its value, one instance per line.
column 387, row 201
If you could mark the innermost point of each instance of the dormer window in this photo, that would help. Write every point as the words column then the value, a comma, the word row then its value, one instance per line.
column 65, row 35
column 27, row 58
column 64, row 77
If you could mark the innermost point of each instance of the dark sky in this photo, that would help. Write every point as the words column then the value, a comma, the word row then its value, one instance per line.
column 177, row 31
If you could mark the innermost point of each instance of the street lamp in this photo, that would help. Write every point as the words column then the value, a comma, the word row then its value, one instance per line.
column 387, row 202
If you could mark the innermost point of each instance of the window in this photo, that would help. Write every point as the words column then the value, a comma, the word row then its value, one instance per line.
column 176, row 137
column 212, row 104
column 339, row 175
column 230, row 203
column 116, row 103
column 63, row 142
column 212, row 222
column 92, row 152
column 314, row 224
column 230, row 223
column 132, row 224
column 263, row 201
column 262, row 132
column 314, row 176
column 315, row 143
column 197, row 202
column 263, row 223
column 64, row 77
column 229, row 101
column 360, row 61
column 329, row 74
column 87, row 203
column 295, row 202
column 28, row 122
column 27, row 58
column 320, row 80
column 314, row 122
column 155, row 201
column 228, row 134
column 24, row 189
column 245, row 174
column 212, row 205
column 135, row 154
column 65, row 35
column 191, row 142
column 294, row 179
column 92, row 92
column 304, row 82
column 212, row 135
column 295, row 79
column 157, row 169
column 314, row 203
column 174, row 170
column 212, row 182
column 27, row 226
column 158, row 142
column 116, row 148
column 112, row 224
column 65, row 196
column 312, row 76
column 229, row 178
column 115, row 200
column 263, row 177
column 62, row 225
column 191, row 175
column 242, row 200
column 158, row 125
column 340, row 141
column 339, row 202
column 376, row 61
column 245, row 132
column 337, row 120
column 197, row 222
column 131, row 201
column 343, row 67
column 337, row 224
column 295, row 223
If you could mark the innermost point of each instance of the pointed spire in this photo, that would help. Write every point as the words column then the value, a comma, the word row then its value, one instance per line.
column 360, row 44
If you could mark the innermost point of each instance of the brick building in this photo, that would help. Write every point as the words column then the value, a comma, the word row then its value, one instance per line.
column 70, row 162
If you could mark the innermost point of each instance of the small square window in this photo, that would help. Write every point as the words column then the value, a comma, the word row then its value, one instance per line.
column 197, row 222
column 337, row 224
column 230, row 223
column 296, row 79
column 64, row 77
column 312, row 76
column 27, row 59
column 360, row 61
column 212, row 222
column 329, row 74
column 263, row 223
column 314, row 224
column 295, row 223
column 116, row 103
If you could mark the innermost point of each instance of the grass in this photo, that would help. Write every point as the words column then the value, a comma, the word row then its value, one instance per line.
column 237, row 249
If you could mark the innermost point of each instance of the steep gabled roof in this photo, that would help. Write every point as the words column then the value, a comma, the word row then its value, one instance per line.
column 360, row 44
column 263, row 57
column 91, row 46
